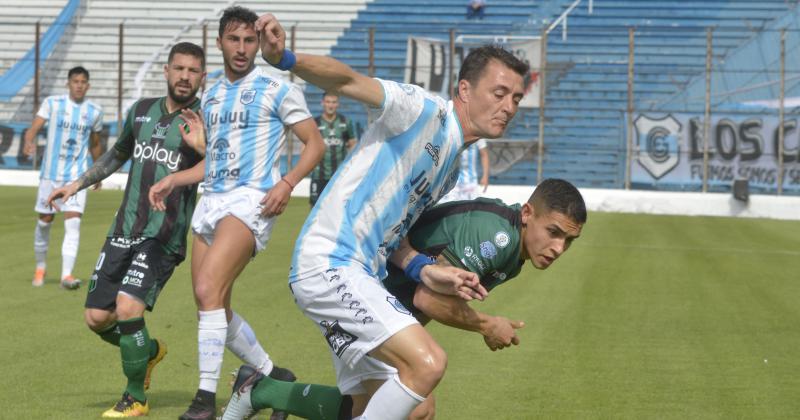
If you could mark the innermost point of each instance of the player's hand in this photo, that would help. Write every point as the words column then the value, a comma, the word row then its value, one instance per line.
column 485, row 182
column 501, row 333
column 449, row 280
column 63, row 193
column 272, row 38
column 159, row 191
column 30, row 148
column 276, row 199
column 193, row 130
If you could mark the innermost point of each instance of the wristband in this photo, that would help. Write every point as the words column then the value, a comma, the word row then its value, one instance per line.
column 288, row 183
column 414, row 267
column 288, row 61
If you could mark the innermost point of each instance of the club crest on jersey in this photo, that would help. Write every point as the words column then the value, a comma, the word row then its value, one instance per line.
column 501, row 239
column 160, row 131
column 338, row 338
column 397, row 305
column 248, row 96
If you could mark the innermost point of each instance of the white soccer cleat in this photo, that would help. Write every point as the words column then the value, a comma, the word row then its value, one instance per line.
column 239, row 407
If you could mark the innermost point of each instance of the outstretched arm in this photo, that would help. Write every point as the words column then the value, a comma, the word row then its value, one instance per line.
column 484, row 154
column 498, row 332
column 326, row 73
column 161, row 189
column 104, row 166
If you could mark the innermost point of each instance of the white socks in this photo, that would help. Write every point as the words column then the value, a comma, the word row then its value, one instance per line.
column 243, row 343
column 211, row 334
column 69, row 248
column 41, row 241
column 392, row 400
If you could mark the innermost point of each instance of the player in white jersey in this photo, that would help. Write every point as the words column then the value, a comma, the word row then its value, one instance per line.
column 468, row 187
column 245, row 113
column 73, row 133
column 405, row 162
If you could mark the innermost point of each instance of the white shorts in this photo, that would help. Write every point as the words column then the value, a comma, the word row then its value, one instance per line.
column 76, row 203
column 356, row 314
column 462, row 191
column 241, row 203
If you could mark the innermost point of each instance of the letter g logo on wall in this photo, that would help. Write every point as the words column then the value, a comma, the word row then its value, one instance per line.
column 657, row 144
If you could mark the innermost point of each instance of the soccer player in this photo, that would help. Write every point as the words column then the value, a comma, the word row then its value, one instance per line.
column 492, row 240
column 339, row 136
column 73, row 134
column 245, row 113
column 404, row 163
column 468, row 187
column 143, row 246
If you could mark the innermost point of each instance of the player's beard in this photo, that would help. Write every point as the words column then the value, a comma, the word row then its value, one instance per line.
column 179, row 98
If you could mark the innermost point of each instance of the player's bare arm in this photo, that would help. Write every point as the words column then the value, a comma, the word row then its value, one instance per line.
column 276, row 199
column 96, row 149
column 105, row 165
column 163, row 188
column 327, row 73
column 447, row 280
column 30, row 136
column 484, row 154
column 498, row 332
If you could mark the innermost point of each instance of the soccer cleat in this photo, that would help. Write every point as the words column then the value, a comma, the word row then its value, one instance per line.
column 162, row 351
column 38, row 277
column 285, row 375
column 239, row 406
column 127, row 407
column 70, row 283
column 200, row 409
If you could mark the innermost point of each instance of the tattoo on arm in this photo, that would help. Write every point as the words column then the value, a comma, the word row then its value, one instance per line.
column 104, row 166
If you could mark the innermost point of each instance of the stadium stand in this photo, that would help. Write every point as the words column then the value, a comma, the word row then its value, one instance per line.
column 585, row 134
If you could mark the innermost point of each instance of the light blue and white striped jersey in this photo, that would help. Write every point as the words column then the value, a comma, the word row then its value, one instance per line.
column 469, row 163
column 405, row 162
column 69, row 126
column 245, row 130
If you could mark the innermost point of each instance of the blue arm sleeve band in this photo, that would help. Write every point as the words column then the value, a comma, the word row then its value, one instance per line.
column 414, row 267
column 288, row 61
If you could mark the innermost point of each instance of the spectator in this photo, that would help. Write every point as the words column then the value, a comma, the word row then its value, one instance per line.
column 476, row 9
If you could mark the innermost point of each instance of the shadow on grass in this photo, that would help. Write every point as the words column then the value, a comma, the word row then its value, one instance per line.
column 162, row 399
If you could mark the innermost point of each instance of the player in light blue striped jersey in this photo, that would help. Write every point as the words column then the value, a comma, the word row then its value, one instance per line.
column 73, row 133
column 468, row 186
column 403, row 164
column 245, row 113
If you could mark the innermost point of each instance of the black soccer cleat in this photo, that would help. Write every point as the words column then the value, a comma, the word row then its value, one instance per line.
column 201, row 408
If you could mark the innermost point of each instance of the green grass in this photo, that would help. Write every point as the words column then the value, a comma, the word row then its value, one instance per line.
column 645, row 317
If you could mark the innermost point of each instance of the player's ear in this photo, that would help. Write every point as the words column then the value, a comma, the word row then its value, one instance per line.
column 527, row 213
column 464, row 90
column 166, row 72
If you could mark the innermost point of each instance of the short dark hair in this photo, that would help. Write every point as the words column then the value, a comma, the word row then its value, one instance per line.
column 474, row 65
column 329, row 93
column 236, row 14
column 77, row 70
column 555, row 194
column 188, row 48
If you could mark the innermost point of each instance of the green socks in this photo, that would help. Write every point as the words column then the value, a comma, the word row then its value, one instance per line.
column 135, row 348
column 111, row 336
column 315, row 402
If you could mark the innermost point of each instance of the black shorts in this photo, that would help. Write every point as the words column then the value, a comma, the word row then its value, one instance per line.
column 317, row 185
column 137, row 267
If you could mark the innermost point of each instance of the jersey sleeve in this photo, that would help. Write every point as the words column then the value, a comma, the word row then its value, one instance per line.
column 45, row 109
column 125, row 140
column 98, row 121
column 402, row 105
column 293, row 108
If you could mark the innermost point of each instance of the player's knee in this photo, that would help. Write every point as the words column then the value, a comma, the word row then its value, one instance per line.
column 98, row 320
column 208, row 295
column 429, row 366
column 47, row 218
column 128, row 308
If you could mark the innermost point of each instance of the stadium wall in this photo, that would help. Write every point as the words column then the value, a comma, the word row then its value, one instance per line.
column 602, row 200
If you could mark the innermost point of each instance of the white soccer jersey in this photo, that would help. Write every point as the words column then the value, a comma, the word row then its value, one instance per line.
column 245, row 130
column 469, row 163
column 405, row 162
column 69, row 126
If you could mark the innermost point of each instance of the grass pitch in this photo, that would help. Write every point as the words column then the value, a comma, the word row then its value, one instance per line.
column 645, row 317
